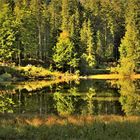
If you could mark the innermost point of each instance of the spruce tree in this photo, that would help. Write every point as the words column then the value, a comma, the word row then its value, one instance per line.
column 55, row 20
column 88, row 60
column 64, row 56
column 65, row 15
column 130, row 46
column 7, row 32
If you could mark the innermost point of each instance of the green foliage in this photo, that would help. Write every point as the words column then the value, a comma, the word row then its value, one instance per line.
column 89, row 102
column 64, row 104
column 33, row 29
column 6, row 76
column 64, row 55
column 28, row 72
column 33, row 71
column 65, row 14
column 7, row 33
column 87, row 46
column 130, row 46
column 6, row 104
column 129, row 98
column 37, row 72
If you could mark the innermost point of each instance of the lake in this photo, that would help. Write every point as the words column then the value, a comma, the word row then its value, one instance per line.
column 82, row 97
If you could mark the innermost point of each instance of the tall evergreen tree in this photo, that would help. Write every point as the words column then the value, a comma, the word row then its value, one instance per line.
column 88, row 60
column 130, row 46
column 64, row 54
column 7, row 32
column 65, row 15
column 55, row 19
column 27, row 29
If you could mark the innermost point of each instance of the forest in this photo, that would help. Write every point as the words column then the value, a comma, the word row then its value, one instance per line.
column 78, row 36
column 69, row 69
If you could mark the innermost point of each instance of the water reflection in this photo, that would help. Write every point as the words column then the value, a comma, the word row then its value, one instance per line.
column 129, row 96
column 93, row 97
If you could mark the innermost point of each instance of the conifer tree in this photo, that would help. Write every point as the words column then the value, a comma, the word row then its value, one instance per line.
column 88, row 60
column 7, row 32
column 55, row 19
column 99, row 49
column 130, row 46
column 65, row 15
column 27, row 39
column 64, row 54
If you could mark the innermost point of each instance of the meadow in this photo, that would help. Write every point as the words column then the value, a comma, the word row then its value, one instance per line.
column 28, row 127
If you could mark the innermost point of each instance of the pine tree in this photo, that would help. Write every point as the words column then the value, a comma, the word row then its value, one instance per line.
column 65, row 15
column 55, row 20
column 7, row 32
column 27, row 29
column 64, row 54
column 99, row 49
column 36, row 7
column 130, row 46
column 88, row 60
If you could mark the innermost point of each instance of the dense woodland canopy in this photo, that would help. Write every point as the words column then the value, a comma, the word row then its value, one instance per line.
column 71, row 35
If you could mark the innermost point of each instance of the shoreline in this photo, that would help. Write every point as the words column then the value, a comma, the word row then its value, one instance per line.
column 110, row 76
column 21, row 74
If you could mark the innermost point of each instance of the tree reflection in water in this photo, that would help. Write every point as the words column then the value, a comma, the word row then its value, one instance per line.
column 6, row 104
column 87, row 97
column 129, row 96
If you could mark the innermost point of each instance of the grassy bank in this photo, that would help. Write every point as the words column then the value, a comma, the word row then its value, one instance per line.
column 105, row 76
column 70, row 128
column 35, row 73
column 112, row 76
column 31, row 72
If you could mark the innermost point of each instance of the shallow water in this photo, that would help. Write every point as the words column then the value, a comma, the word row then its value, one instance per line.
column 92, row 97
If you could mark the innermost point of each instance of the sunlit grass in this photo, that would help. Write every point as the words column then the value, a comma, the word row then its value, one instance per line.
column 135, row 76
column 70, row 127
column 32, row 72
column 35, row 72
column 113, row 76
column 105, row 76
column 39, row 72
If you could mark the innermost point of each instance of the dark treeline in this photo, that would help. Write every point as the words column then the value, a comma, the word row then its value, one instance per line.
column 71, row 35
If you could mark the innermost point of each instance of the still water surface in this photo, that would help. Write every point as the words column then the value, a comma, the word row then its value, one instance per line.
column 92, row 97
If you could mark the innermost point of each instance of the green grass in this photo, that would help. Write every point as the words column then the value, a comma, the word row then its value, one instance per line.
column 105, row 76
column 70, row 128
column 31, row 72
